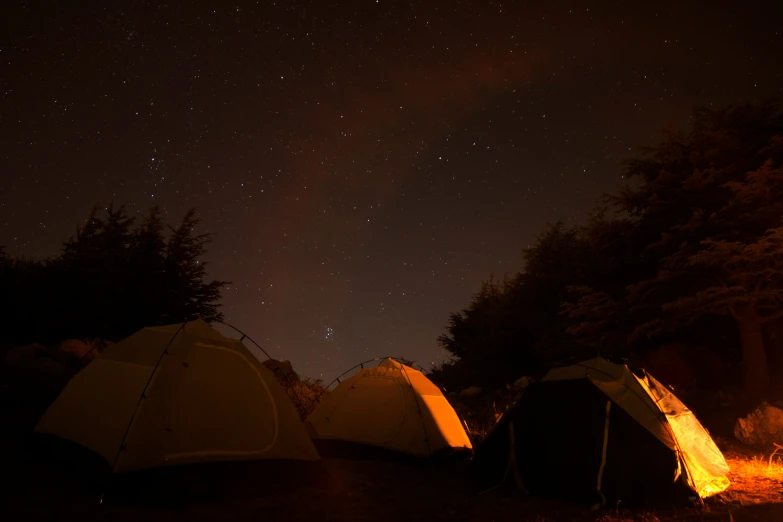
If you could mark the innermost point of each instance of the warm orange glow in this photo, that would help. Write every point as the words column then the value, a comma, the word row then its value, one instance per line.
column 715, row 487
column 754, row 480
column 758, row 467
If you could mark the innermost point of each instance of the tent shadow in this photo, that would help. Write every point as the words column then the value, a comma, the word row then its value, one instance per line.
column 763, row 511
column 87, row 470
column 338, row 449
column 215, row 482
column 458, row 458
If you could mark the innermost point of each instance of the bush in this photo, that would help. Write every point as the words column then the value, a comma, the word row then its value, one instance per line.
column 305, row 394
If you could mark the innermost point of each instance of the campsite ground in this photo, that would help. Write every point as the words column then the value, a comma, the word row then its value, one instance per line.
column 352, row 490
column 344, row 490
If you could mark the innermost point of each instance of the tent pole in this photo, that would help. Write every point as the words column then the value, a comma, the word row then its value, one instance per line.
column 337, row 379
column 245, row 336
column 136, row 410
column 603, row 452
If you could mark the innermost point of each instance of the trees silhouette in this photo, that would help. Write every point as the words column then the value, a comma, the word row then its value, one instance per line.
column 696, row 236
column 515, row 325
column 713, row 195
column 110, row 279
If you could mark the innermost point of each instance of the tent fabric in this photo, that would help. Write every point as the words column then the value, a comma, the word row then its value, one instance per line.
column 391, row 406
column 570, row 439
column 617, row 382
column 208, row 400
column 704, row 463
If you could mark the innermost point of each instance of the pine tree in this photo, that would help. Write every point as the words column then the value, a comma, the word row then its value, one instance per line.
column 92, row 277
column 110, row 280
column 740, row 280
column 716, row 200
column 147, row 255
column 188, row 296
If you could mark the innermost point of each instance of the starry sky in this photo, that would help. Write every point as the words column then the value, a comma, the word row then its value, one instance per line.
column 364, row 165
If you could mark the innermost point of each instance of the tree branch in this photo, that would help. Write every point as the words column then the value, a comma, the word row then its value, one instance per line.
column 771, row 317
column 756, row 291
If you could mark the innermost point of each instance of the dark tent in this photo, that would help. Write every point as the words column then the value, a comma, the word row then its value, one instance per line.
column 595, row 432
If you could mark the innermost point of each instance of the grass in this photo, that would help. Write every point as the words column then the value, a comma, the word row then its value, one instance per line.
column 756, row 493
column 754, row 481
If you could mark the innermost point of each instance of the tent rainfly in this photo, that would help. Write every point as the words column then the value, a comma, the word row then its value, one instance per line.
column 391, row 406
column 599, row 433
column 178, row 394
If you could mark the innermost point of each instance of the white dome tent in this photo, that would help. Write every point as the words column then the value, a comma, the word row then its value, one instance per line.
column 177, row 394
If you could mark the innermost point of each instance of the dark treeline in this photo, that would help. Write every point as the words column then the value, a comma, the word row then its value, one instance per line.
column 115, row 276
column 689, row 253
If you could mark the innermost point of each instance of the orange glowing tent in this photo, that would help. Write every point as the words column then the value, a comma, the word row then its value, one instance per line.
column 391, row 406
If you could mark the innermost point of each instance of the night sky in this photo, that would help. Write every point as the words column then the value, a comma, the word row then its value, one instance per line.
column 364, row 165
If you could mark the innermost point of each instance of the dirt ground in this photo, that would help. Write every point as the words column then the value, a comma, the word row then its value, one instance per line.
column 339, row 490
column 354, row 490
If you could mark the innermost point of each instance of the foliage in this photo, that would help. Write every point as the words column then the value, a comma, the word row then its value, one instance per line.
column 305, row 394
column 721, row 254
column 746, row 277
column 594, row 314
column 694, row 236
column 514, row 325
column 110, row 279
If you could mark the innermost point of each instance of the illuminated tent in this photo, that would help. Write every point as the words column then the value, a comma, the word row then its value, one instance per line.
column 390, row 406
column 178, row 394
column 597, row 432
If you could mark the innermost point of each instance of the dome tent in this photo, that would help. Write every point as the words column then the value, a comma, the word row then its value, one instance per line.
column 177, row 394
column 391, row 406
column 596, row 432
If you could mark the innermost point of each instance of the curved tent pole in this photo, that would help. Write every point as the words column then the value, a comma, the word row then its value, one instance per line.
column 245, row 336
column 337, row 379
column 412, row 364
column 405, row 372
column 361, row 364
column 138, row 404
